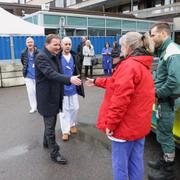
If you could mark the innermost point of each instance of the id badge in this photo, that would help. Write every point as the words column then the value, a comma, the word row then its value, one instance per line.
column 68, row 67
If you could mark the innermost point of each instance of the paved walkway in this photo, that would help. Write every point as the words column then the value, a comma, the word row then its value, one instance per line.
column 23, row 158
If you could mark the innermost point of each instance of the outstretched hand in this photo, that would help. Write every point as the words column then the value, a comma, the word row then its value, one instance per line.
column 75, row 80
column 108, row 132
column 89, row 82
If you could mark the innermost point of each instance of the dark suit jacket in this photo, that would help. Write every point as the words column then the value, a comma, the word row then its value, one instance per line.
column 49, row 83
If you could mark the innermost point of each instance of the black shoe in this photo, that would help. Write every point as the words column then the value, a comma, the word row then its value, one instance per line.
column 166, row 172
column 59, row 159
column 156, row 164
column 161, row 175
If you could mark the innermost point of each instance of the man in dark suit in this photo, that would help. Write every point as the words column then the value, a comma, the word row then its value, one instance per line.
column 49, row 91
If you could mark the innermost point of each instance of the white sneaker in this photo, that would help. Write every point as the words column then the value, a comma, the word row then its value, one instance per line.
column 32, row 111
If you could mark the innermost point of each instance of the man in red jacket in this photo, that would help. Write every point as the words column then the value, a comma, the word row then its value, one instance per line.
column 126, row 111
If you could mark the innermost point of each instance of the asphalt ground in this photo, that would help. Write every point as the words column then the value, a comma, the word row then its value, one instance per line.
column 22, row 156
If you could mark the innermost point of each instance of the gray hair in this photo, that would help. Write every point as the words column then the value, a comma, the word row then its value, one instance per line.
column 65, row 39
column 29, row 39
column 134, row 40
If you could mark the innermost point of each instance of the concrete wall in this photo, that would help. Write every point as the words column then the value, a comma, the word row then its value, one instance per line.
column 11, row 74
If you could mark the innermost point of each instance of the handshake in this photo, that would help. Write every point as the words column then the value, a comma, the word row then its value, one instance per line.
column 77, row 81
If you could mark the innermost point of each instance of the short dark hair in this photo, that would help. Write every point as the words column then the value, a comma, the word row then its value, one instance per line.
column 162, row 26
column 115, row 44
column 49, row 38
column 107, row 43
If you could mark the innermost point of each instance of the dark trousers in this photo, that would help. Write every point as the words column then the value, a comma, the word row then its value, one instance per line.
column 80, row 66
column 164, row 131
column 86, row 71
column 49, row 135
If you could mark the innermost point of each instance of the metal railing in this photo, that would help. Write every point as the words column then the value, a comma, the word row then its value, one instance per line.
column 157, row 11
column 86, row 3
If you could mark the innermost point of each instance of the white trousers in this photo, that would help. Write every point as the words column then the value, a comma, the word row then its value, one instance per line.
column 31, row 90
column 68, row 116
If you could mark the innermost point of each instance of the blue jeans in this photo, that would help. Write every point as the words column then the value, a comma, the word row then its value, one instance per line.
column 127, row 160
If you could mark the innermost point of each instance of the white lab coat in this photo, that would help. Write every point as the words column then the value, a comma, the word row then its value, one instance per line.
column 88, row 54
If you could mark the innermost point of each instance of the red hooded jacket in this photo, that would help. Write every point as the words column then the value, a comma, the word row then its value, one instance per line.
column 127, row 106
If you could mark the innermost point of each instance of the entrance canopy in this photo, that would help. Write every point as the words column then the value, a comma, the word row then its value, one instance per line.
column 13, row 25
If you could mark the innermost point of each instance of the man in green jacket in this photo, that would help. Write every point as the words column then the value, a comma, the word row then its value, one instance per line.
column 167, row 83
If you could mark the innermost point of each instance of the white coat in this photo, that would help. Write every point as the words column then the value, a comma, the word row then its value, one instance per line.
column 88, row 54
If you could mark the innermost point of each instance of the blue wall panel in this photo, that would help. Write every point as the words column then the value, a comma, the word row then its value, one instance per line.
column 75, row 42
column 39, row 41
column 97, row 42
column 5, row 52
column 20, row 44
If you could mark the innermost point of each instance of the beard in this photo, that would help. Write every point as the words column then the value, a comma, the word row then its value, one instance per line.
column 158, row 44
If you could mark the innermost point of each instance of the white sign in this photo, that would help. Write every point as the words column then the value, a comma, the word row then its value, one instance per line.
column 45, row 7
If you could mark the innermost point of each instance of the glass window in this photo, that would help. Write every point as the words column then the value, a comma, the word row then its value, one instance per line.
column 143, row 25
column 149, row 4
column 130, row 25
column 29, row 19
column 113, row 32
column 177, row 37
column 157, row 3
column 124, row 32
column 96, row 32
column 35, row 19
column 126, row 8
column 59, row 3
column 110, row 23
column 167, row 2
column 96, row 22
column 135, row 7
column 70, row 2
column 76, row 21
column 81, row 32
column 70, row 32
column 51, row 31
column 151, row 24
column 51, row 19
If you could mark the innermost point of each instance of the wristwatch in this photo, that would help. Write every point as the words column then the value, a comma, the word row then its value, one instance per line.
column 94, row 80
